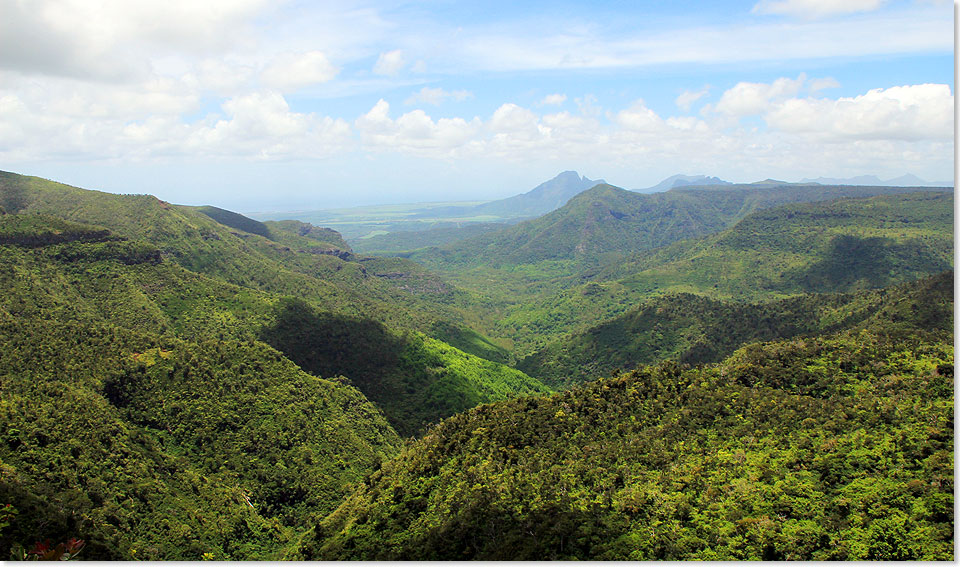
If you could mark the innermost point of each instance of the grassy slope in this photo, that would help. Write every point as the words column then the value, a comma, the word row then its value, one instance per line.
column 696, row 329
column 833, row 448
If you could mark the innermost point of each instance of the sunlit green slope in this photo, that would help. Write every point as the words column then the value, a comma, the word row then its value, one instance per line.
column 288, row 258
column 56, row 270
column 843, row 245
column 829, row 448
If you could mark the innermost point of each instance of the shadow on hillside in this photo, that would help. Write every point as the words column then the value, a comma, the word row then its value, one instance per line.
column 13, row 196
column 329, row 345
column 852, row 263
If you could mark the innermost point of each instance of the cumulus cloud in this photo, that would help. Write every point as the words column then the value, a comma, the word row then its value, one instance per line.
column 262, row 125
column 258, row 125
column 746, row 99
column 437, row 96
column 390, row 63
column 291, row 71
column 811, row 9
column 415, row 132
column 110, row 39
column 913, row 112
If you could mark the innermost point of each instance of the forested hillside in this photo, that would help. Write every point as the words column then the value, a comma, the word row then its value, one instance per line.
column 602, row 227
column 186, row 383
column 286, row 257
column 843, row 245
column 695, row 329
column 151, row 447
column 55, row 270
column 831, row 448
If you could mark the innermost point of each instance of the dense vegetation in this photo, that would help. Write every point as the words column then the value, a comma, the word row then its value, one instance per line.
column 832, row 448
column 151, row 448
column 415, row 379
column 76, row 276
column 189, row 383
column 844, row 245
column 696, row 329
column 297, row 259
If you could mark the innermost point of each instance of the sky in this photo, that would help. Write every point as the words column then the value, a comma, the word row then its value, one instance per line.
column 267, row 105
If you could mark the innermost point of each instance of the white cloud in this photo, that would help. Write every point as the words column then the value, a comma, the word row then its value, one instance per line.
column 553, row 99
column 415, row 133
column 639, row 118
column 746, row 99
column 686, row 99
column 514, row 120
column 132, row 127
column 291, row 71
column 913, row 112
column 437, row 96
column 262, row 125
column 815, row 8
column 390, row 63
column 114, row 39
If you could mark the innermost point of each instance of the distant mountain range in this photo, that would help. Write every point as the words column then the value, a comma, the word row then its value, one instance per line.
column 907, row 180
column 604, row 222
column 683, row 181
column 548, row 196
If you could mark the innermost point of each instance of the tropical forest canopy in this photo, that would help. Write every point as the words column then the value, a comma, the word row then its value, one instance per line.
column 711, row 373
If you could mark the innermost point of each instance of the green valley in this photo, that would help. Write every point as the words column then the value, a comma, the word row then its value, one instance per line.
column 709, row 373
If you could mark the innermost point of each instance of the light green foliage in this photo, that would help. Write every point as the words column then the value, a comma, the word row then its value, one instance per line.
column 287, row 258
column 844, row 245
column 415, row 379
column 836, row 448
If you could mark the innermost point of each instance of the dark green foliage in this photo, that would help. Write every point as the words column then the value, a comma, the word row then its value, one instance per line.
column 237, row 221
column 153, row 448
column 696, row 329
column 415, row 379
column 822, row 449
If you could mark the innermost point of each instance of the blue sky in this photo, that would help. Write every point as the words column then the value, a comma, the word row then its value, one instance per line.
column 261, row 105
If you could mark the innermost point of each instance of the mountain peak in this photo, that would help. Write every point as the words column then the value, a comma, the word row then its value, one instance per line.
column 569, row 174
column 681, row 180
column 548, row 196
